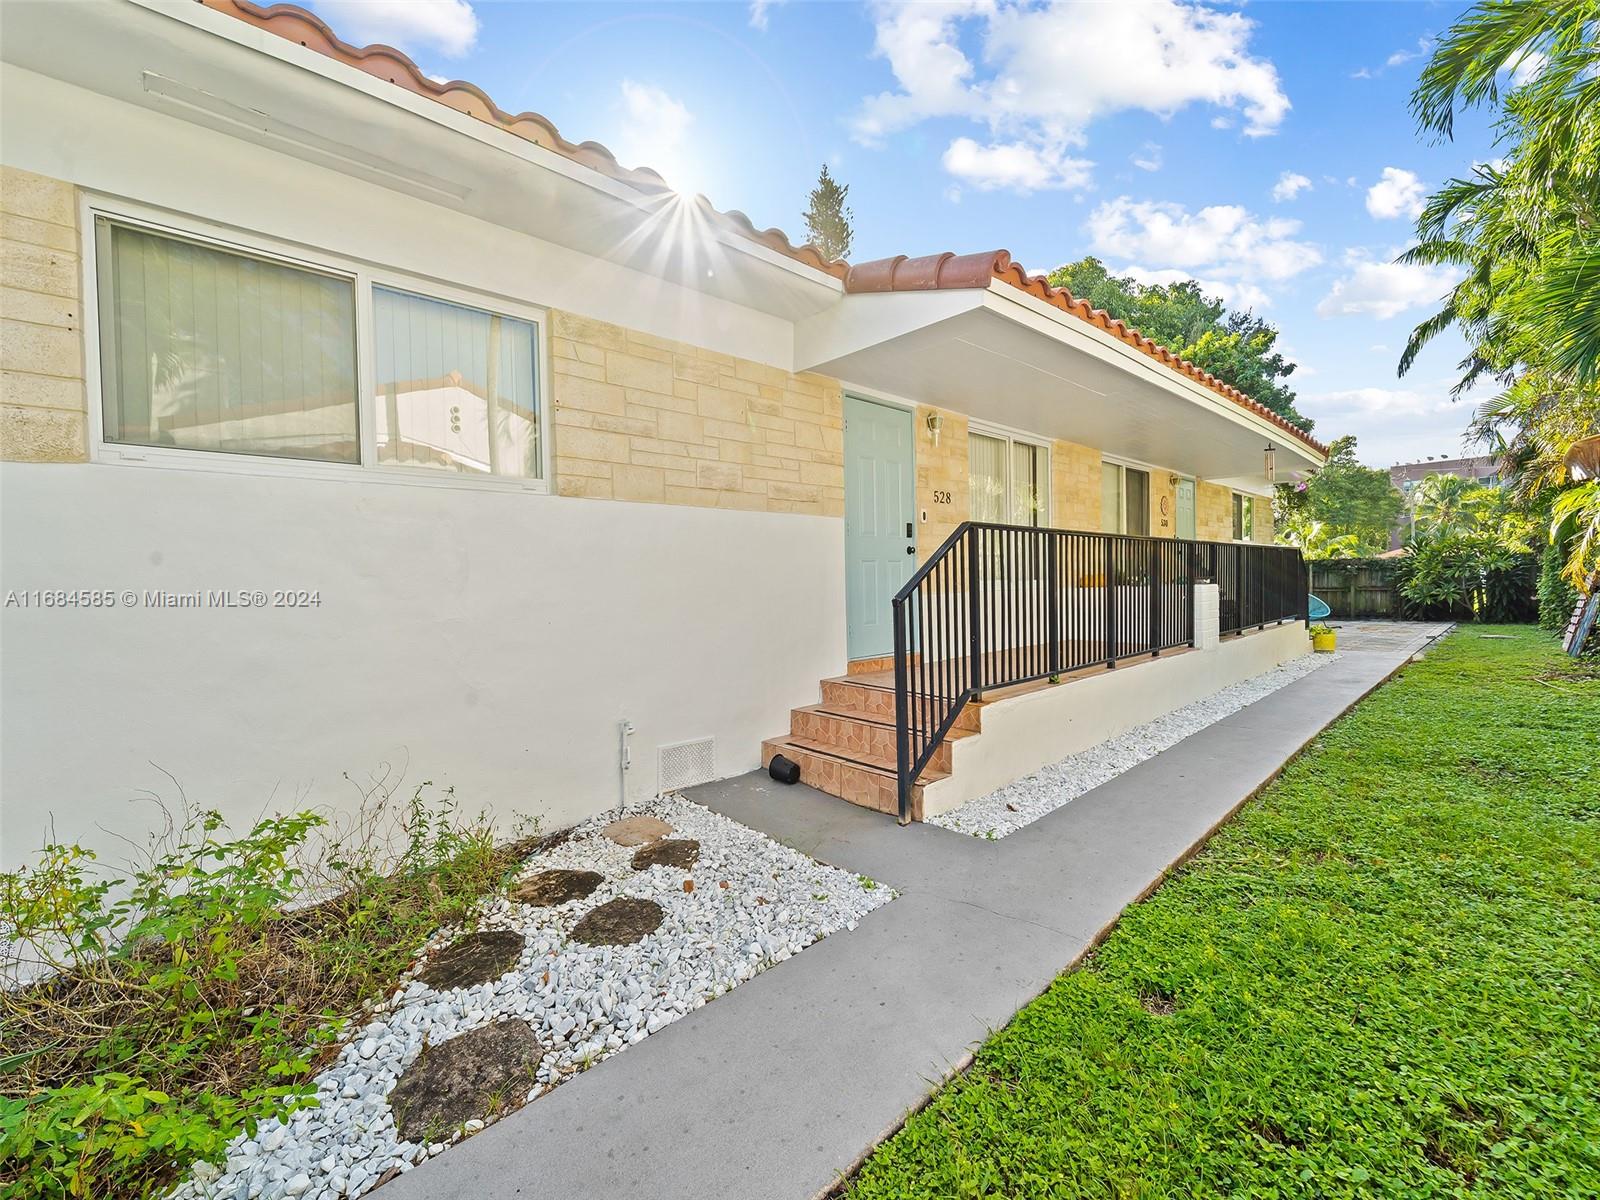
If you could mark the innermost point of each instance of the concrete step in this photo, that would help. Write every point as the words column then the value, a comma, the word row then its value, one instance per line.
column 876, row 701
column 868, row 780
column 853, row 732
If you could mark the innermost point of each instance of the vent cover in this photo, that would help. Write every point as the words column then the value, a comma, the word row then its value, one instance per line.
column 684, row 764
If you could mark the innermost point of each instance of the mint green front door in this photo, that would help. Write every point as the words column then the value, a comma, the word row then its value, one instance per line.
column 1185, row 522
column 879, row 529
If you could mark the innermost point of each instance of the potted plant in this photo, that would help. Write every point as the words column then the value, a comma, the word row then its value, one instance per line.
column 1323, row 639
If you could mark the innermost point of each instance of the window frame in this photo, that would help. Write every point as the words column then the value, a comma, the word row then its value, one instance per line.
column 364, row 276
column 1012, row 438
column 1236, row 516
column 1123, row 466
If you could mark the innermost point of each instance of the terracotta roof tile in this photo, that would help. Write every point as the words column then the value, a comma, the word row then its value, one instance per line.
column 938, row 271
column 295, row 24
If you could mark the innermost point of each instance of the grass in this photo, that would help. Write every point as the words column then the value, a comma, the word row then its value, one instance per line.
column 1381, row 979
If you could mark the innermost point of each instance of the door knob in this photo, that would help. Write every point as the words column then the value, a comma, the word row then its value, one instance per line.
column 911, row 549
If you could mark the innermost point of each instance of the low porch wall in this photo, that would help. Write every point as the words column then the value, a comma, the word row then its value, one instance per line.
column 1025, row 732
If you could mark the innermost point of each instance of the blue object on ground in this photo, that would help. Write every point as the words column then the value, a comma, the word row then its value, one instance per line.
column 1319, row 609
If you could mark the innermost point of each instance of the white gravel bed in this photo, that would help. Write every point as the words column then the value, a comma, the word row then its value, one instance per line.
column 1024, row 801
column 584, row 1003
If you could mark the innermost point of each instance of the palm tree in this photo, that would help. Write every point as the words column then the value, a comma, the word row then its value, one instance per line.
column 1524, row 234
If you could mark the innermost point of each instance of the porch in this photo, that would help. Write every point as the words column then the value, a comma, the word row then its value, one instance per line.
column 1016, row 646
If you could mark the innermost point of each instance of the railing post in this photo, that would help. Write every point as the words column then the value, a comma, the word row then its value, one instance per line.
column 1192, row 568
column 1111, row 603
column 1155, row 597
column 902, row 713
column 1052, row 605
column 974, row 605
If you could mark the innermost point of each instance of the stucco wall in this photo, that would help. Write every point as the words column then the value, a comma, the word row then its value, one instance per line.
column 482, row 639
column 639, row 417
column 42, row 414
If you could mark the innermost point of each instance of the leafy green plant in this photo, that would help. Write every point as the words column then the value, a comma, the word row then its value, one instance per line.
column 1320, row 630
column 165, row 1010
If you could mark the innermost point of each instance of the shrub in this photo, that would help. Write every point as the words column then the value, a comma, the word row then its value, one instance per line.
column 176, row 1007
column 1467, row 577
column 1557, row 596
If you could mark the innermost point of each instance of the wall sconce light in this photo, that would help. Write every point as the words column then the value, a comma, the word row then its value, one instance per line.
column 1272, row 464
column 935, row 423
column 1172, row 481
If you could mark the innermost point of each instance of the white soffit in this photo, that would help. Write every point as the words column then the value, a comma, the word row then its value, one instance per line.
column 984, row 355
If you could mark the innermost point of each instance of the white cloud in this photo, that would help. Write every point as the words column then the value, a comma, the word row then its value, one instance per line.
column 1377, row 401
column 1014, row 165
column 1224, row 243
column 1398, row 59
column 759, row 12
column 1221, row 123
column 1398, row 194
column 653, row 133
column 1290, row 184
column 1233, row 293
column 1048, row 72
column 448, row 26
column 1385, row 289
column 1147, row 157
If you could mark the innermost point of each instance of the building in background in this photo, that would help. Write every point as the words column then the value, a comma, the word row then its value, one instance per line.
column 1483, row 469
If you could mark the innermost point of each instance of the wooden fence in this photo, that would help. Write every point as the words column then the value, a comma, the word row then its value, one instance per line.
column 1356, row 587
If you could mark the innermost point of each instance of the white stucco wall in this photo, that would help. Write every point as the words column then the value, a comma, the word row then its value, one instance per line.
column 1024, row 732
column 490, row 641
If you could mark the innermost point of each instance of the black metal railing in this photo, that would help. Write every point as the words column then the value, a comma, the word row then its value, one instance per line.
column 999, row 605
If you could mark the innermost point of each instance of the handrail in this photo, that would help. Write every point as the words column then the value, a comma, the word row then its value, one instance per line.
column 999, row 605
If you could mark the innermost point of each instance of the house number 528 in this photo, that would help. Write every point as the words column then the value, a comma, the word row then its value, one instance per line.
column 940, row 496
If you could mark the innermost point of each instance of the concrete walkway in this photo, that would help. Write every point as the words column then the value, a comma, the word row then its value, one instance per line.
column 774, row 1090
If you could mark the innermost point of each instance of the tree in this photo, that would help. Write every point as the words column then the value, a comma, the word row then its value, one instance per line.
column 1524, row 232
column 1344, row 500
column 1237, row 347
column 829, row 223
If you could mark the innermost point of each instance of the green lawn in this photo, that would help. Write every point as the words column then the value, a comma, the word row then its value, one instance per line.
column 1383, row 977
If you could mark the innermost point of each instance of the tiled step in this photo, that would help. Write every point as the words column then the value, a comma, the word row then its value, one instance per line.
column 852, row 733
column 877, row 702
column 868, row 780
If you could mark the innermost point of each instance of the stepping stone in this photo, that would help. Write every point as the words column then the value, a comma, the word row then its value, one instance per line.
column 682, row 853
column 464, row 1079
column 619, row 922
column 477, row 958
column 549, row 888
column 636, row 831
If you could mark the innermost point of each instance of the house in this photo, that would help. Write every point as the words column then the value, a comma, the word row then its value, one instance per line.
column 358, row 431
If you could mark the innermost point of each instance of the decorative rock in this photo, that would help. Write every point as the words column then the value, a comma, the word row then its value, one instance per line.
column 477, row 958
column 583, row 1002
column 619, row 922
column 1024, row 801
column 550, row 888
column 681, row 853
column 457, row 1081
column 637, row 830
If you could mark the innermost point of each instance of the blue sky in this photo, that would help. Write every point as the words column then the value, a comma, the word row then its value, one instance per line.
column 1265, row 149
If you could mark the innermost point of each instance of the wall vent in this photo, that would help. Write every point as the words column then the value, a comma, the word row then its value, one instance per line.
column 684, row 764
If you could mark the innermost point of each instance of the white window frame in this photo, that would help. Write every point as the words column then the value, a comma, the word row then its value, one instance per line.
column 364, row 276
column 1122, row 465
column 1232, row 504
column 1013, row 437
